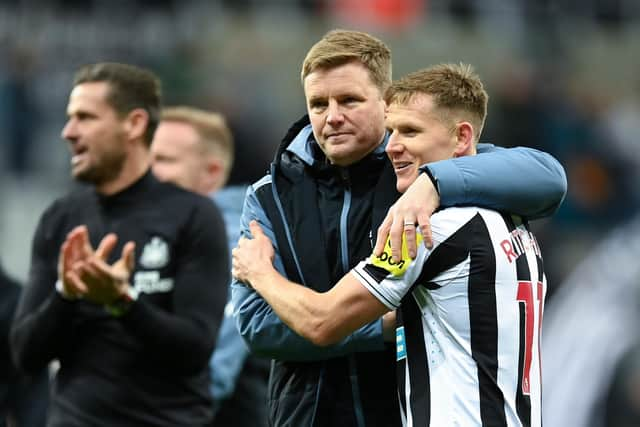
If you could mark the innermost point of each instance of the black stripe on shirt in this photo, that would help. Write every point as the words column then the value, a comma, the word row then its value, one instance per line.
column 419, row 392
column 483, row 319
column 473, row 240
column 446, row 255
column 523, row 402
column 540, row 298
column 378, row 273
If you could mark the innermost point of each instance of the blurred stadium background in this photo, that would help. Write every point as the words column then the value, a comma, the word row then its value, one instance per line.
column 563, row 75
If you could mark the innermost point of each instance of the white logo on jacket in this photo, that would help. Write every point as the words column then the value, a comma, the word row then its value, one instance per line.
column 155, row 253
column 150, row 282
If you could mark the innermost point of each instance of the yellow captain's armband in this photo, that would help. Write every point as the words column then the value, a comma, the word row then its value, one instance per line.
column 385, row 261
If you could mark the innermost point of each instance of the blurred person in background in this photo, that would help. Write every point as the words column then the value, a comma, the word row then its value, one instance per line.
column 134, row 334
column 622, row 404
column 18, row 111
column 465, row 307
column 23, row 398
column 193, row 149
column 590, row 336
column 329, row 188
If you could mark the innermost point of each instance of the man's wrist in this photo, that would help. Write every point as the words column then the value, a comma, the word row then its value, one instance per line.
column 425, row 169
column 262, row 276
column 123, row 304
column 63, row 293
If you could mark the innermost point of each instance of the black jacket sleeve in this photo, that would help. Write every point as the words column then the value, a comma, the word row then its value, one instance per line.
column 42, row 321
column 183, row 340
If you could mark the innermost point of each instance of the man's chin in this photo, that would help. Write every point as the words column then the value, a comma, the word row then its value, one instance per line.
column 401, row 186
column 80, row 171
column 346, row 154
column 86, row 175
column 79, row 174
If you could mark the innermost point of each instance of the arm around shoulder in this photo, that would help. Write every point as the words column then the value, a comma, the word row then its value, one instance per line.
column 520, row 180
column 261, row 328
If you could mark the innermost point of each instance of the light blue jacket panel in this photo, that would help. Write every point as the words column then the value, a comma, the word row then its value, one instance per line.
column 531, row 183
column 230, row 351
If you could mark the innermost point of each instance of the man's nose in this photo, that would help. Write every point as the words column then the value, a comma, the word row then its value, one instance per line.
column 393, row 145
column 334, row 114
column 69, row 130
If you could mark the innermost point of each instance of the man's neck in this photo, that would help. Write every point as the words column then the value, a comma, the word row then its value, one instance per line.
column 136, row 165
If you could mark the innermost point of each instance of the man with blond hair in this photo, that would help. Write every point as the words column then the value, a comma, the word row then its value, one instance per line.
column 470, row 307
column 328, row 189
column 193, row 148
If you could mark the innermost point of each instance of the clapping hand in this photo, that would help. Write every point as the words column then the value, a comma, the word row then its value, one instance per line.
column 86, row 272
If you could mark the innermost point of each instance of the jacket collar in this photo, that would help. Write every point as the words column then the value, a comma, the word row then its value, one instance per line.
column 304, row 144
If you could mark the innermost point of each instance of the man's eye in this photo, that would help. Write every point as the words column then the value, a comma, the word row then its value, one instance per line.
column 316, row 106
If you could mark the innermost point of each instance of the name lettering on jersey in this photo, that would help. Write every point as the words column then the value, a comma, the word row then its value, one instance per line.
column 155, row 253
column 519, row 242
column 150, row 282
column 386, row 262
column 401, row 346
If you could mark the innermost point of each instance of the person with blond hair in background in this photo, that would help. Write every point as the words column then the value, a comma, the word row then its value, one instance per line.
column 193, row 148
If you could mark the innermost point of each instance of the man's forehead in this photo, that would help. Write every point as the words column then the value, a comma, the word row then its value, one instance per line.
column 419, row 105
column 88, row 95
column 177, row 131
column 351, row 76
column 94, row 90
column 416, row 100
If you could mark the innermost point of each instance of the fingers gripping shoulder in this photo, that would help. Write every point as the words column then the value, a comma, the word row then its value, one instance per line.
column 386, row 262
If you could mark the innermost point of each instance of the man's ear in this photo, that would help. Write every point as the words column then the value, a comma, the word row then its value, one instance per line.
column 136, row 123
column 465, row 137
column 214, row 173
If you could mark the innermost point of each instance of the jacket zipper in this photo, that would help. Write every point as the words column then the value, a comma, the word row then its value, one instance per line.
column 344, row 249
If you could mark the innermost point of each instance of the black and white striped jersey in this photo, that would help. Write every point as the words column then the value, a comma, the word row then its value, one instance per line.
column 469, row 317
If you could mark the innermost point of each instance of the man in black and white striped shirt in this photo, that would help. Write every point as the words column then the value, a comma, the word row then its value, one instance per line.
column 469, row 308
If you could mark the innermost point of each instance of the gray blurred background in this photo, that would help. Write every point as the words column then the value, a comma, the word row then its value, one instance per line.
column 563, row 77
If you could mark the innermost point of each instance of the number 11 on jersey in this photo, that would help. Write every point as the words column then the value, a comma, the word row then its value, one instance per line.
column 525, row 295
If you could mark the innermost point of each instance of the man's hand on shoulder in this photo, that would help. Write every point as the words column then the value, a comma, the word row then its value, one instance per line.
column 416, row 205
column 253, row 257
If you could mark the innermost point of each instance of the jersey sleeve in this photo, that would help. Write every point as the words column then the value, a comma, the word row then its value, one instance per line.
column 387, row 280
column 391, row 281
column 519, row 180
column 264, row 332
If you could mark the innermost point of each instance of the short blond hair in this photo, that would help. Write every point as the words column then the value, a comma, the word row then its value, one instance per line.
column 215, row 135
column 456, row 89
column 339, row 47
